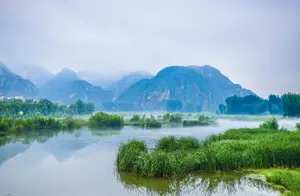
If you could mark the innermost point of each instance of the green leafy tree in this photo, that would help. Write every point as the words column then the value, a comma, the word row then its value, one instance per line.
column 275, row 104
column 291, row 104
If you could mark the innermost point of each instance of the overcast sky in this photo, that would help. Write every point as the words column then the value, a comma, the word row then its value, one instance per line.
column 255, row 43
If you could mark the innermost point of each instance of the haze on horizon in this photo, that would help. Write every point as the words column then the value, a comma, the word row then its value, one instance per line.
column 255, row 43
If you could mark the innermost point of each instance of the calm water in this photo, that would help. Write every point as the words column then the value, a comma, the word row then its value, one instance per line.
column 83, row 163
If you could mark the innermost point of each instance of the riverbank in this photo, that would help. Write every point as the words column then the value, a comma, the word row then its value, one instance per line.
column 285, row 180
column 234, row 150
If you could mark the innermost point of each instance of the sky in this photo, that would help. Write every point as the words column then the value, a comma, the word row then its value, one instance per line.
column 255, row 43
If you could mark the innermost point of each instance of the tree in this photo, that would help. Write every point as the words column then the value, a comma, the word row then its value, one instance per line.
column 90, row 108
column 275, row 104
column 250, row 104
column 291, row 104
column 80, row 107
column 222, row 109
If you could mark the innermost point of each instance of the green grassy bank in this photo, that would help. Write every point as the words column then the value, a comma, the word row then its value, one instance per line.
column 234, row 150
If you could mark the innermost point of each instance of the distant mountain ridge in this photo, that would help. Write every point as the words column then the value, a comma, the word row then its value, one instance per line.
column 12, row 84
column 194, row 86
column 38, row 75
column 202, row 87
column 67, row 87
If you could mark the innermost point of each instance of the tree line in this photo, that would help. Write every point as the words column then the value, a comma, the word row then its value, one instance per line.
column 286, row 105
column 43, row 107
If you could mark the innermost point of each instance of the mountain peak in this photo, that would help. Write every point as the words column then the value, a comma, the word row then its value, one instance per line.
column 67, row 74
column 195, row 86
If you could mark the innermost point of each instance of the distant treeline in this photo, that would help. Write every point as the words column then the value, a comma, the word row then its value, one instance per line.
column 43, row 107
column 286, row 105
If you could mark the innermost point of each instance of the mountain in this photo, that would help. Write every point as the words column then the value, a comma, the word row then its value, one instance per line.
column 38, row 75
column 98, row 79
column 12, row 84
column 194, row 86
column 67, row 87
column 127, row 80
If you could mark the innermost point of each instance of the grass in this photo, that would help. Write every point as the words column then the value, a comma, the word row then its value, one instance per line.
column 174, row 118
column 236, row 149
column 129, row 153
column 201, row 121
column 144, row 122
column 289, row 179
column 10, row 125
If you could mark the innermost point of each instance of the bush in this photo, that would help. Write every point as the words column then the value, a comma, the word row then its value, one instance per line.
column 298, row 126
column 104, row 120
column 4, row 126
column 71, row 123
column 202, row 121
column 36, row 124
column 166, row 117
column 152, row 123
column 189, row 123
column 135, row 118
column 175, row 118
column 270, row 124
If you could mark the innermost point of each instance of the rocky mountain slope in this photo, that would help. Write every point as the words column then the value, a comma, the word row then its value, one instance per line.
column 194, row 86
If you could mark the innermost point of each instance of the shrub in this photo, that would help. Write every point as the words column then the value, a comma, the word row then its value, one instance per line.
column 135, row 118
column 70, row 123
column 4, row 126
column 202, row 121
column 189, row 123
column 298, row 126
column 104, row 120
column 175, row 118
column 270, row 124
column 151, row 123
column 166, row 116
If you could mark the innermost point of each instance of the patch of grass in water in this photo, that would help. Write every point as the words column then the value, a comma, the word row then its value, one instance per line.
column 201, row 121
column 236, row 149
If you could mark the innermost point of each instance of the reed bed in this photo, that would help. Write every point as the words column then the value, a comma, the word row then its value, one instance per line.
column 236, row 149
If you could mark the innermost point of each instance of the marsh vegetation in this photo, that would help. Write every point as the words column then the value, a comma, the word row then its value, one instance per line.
column 234, row 150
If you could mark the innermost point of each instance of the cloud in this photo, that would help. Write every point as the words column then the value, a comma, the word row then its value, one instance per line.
column 255, row 43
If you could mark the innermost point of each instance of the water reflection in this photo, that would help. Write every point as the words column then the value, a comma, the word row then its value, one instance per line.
column 82, row 162
column 196, row 184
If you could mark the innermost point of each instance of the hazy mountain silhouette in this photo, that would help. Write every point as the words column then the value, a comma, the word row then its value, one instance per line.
column 194, row 86
column 67, row 87
column 38, row 75
column 12, row 84
column 127, row 80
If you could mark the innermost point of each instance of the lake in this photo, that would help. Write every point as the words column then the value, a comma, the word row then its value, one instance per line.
column 83, row 163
